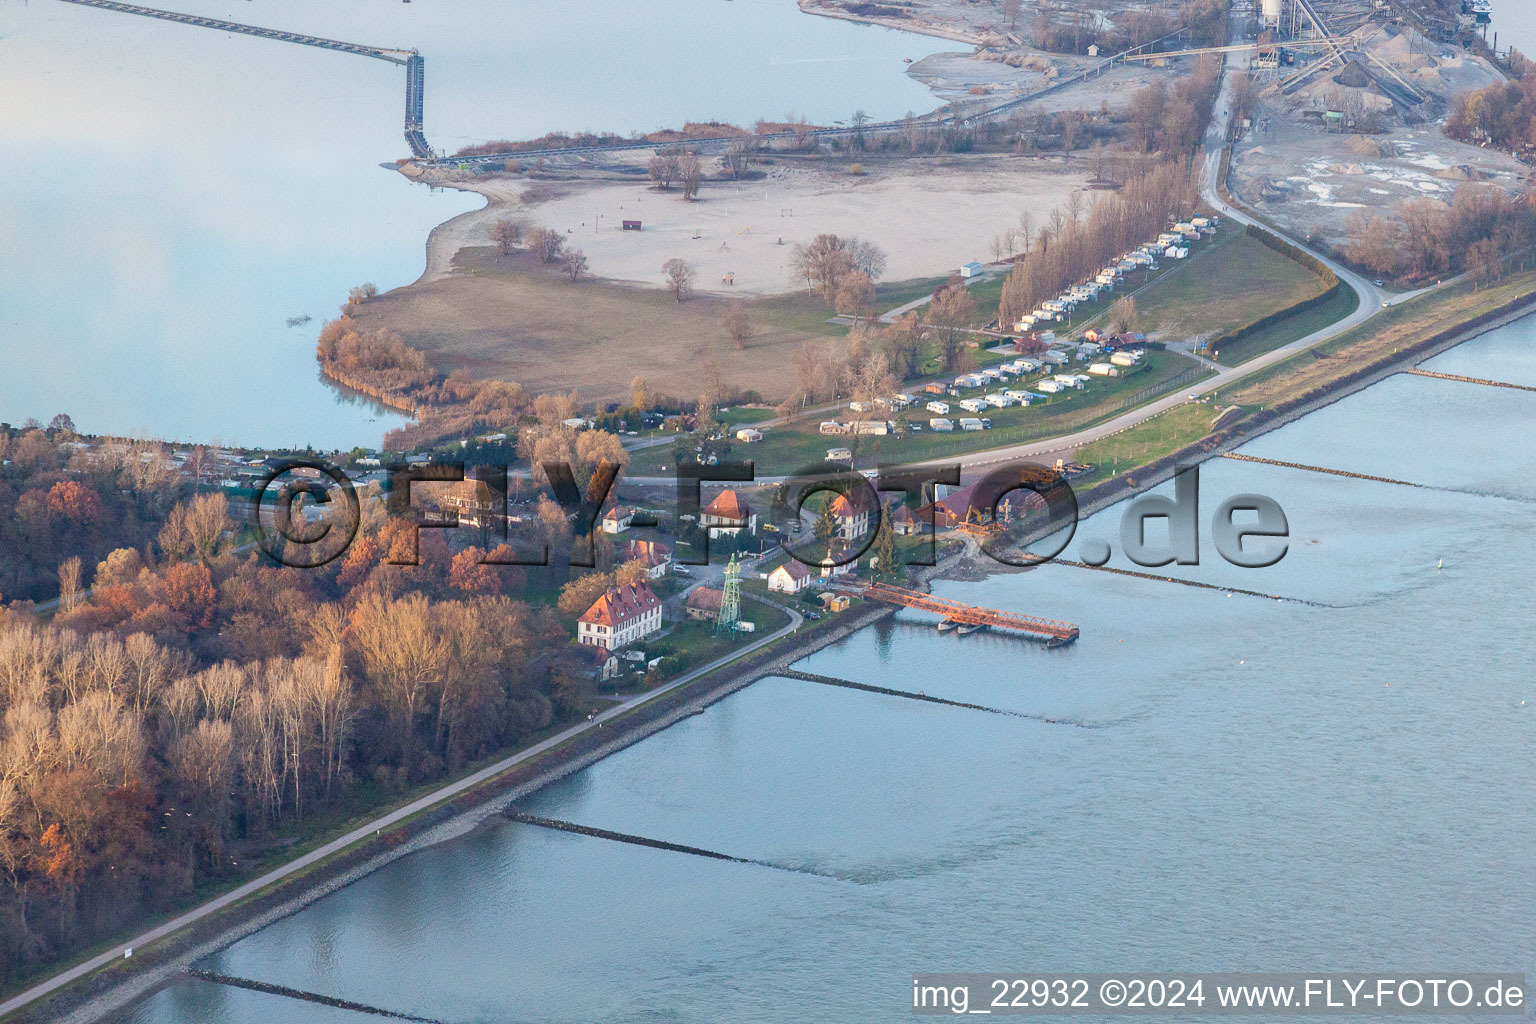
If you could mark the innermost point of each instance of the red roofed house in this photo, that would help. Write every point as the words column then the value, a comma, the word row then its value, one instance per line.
column 704, row 603
column 656, row 556
column 966, row 506
column 903, row 522
column 617, row 519
column 620, row 617
column 791, row 577
column 727, row 514
column 852, row 516
column 472, row 502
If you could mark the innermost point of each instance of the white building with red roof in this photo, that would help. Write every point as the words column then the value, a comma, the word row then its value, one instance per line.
column 656, row 556
column 791, row 577
column 727, row 514
column 622, row 616
column 852, row 515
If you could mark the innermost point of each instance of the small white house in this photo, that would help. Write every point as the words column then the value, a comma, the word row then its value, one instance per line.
column 1054, row 358
column 861, row 406
column 974, row 404
column 749, row 435
column 1125, row 358
column 1024, row 324
column 1051, row 387
column 975, row 424
column 1068, row 380
column 833, row 427
column 839, row 454
column 1104, row 370
column 790, row 578
column 942, row 408
column 1019, row 395
column 1028, row 366
column 972, row 269
column 1000, row 400
column 940, row 425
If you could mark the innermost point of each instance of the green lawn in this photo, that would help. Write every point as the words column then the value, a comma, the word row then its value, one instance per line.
column 1145, row 442
column 1292, row 328
column 741, row 416
column 1239, row 280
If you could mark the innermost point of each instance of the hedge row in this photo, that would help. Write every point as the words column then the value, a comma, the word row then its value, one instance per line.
column 1301, row 256
column 1293, row 252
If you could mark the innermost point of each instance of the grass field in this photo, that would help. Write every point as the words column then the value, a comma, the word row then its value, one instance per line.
column 1292, row 328
column 509, row 318
column 1389, row 330
column 1145, row 442
column 1240, row 280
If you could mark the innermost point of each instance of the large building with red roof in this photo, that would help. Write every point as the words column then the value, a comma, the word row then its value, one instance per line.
column 622, row 616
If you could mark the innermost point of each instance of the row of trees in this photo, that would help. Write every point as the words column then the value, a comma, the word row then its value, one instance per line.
column 197, row 702
column 1484, row 230
column 59, row 498
column 828, row 262
column 547, row 244
column 1072, row 247
column 1502, row 114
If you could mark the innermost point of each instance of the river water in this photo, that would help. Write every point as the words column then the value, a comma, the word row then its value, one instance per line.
column 1336, row 780
column 174, row 195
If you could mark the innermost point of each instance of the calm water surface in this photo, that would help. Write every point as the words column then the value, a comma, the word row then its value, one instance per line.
column 173, row 195
column 1338, row 780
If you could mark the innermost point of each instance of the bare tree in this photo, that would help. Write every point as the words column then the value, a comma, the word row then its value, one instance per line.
column 69, row 584
column 855, row 295
column 506, row 233
column 679, row 274
column 1122, row 315
column 1026, row 231
column 1010, row 11
column 196, row 529
column 691, row 172
column 665, row 168
column 547, row 243
column 737, row 323
column 868, row 258
column 574, row 263
column 951, row 311
column 737, row 158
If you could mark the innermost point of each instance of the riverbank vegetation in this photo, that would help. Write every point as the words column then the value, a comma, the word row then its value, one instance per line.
column 200, row 707
column 1502, row 114
column 65, row 504
column 1484, row 231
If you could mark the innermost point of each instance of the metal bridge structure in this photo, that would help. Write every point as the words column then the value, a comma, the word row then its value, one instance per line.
column 1051, row 631
column 411, row 60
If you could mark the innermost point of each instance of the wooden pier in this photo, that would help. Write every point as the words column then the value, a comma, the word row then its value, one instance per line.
column 1051, row 631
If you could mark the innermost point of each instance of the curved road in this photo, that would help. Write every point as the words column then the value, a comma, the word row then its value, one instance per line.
column 357, row 835
column 1372, row 301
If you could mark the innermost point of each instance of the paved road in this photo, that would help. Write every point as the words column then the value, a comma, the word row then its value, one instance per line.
column 1372, row 301
column 374, row 827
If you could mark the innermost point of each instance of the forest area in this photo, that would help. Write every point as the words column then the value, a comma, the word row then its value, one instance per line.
column 192, row 707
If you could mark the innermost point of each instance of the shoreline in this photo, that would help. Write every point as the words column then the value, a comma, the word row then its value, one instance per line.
column 954, row 36
column 102, row 995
